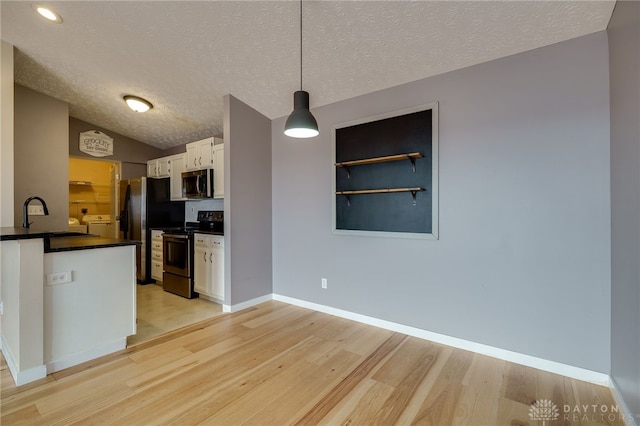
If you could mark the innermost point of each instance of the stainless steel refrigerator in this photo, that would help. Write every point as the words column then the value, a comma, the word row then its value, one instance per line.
column 145, row 204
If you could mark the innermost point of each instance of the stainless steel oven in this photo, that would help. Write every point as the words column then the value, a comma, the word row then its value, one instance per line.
column 178, row 264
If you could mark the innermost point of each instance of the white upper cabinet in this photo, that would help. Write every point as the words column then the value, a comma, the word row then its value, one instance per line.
column 158, row 168
column 176, row 167
column 200, row 154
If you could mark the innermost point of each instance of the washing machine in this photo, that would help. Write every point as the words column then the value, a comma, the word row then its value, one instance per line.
column 74, row 226
column 98, row 224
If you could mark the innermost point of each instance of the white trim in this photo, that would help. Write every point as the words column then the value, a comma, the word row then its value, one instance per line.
column 30, row 375
column 91, row 354
column 211, row 298
column 21, row 377
column 435, row 218
column 384, row 234
column 506, row 355
column 247, row 304
column 628, row 416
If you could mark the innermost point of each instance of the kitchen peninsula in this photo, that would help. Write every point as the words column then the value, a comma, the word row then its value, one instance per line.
column 66, row 299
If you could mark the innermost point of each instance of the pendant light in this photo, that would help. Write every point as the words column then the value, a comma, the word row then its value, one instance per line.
column 301, row 123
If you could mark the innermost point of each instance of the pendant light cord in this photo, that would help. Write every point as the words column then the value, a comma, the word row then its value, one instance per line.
column 300, row 44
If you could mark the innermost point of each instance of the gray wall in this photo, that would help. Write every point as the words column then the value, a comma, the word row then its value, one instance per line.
column 41, row 164
column 174, row 150
column 624, row 56
column 132, row 153
column 183, row 148
column 523, row 259
column 247, row 202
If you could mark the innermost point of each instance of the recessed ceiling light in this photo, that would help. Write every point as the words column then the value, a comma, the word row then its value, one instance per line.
column 138, row 104
column 47, row 13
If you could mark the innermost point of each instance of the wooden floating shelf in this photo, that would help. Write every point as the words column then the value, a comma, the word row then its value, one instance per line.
column 374, row 160
column 378, row 191
column 348, row 194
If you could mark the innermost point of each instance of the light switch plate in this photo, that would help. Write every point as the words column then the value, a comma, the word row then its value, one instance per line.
column 59, row 278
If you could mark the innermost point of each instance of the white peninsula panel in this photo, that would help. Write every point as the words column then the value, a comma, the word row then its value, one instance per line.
column 22, row 318
column 93, row 314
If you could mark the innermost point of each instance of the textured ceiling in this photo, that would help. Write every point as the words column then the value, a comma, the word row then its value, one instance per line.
column 184, row 56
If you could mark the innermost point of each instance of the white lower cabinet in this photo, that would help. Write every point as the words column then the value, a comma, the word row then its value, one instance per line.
column 209, row 266
column 156, row 254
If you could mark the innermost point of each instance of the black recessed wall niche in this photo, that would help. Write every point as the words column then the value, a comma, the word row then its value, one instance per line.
column 385, row 178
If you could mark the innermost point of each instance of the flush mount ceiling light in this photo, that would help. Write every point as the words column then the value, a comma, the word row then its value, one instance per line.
column 301, row 123
column 47, row 13
column 138, row 104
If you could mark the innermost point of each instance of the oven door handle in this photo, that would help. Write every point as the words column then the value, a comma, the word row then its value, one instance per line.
column 169, row 237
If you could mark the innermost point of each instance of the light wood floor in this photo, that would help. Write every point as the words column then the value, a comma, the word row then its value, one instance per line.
column 159, row 312
column 277, row 364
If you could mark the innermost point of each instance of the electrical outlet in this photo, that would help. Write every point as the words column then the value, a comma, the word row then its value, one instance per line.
column 59, row 278
column 324, row 283
column 35, row 210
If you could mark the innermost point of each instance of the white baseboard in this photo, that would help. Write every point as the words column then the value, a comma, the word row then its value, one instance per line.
column 629, row 418
column 211, row 299
column 80, row 357
column 30, row 375
column 515, row 357
column 247, row 304
column 21, row 377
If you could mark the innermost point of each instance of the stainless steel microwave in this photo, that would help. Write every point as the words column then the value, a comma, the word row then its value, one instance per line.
column 197, row 184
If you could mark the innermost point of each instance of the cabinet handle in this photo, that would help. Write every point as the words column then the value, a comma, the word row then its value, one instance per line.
column 200, row 160
column 211, row 257
column 205, row 256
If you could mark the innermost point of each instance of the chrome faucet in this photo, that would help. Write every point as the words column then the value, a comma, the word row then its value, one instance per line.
column 25, row 210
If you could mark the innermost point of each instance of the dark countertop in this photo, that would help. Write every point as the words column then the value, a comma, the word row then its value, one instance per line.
column 55, row 241
column 200, row 231
column 84, row 243
column 13, row 233
column 166, row 228
column 181, row 230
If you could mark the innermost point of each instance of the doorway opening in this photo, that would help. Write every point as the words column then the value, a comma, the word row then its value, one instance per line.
column 93, row 196
column 160, row 312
